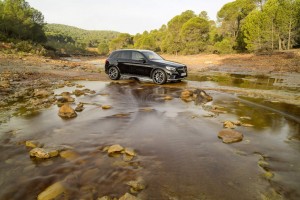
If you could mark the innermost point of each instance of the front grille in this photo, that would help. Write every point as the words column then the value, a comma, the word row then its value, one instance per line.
column 181, row 69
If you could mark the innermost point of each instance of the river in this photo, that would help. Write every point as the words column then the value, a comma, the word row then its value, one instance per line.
column 179, row 154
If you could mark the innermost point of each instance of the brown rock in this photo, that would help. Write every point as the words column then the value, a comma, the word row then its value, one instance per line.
column 106, row 107
column 67, row 112
column 43, row 153
column 52, row 192
column 115, row 149
column 230, row 136
column 229, row 124
column 128, row 196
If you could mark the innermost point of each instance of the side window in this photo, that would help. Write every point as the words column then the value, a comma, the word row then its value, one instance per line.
column 114, row 55
column 137, row 56
column 125, row 55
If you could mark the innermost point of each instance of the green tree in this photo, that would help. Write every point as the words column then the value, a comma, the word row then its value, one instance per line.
column 172, row 42
column 123, row 41
column 231, row 17
column 195, row 34
column 103, row 49
column 20, row 21
column 272, row 27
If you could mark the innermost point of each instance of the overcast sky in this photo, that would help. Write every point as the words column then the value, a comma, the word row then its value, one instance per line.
column 130, row 16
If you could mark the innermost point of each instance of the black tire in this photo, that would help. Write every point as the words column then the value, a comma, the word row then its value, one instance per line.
column 114, row 73
column 159, row 77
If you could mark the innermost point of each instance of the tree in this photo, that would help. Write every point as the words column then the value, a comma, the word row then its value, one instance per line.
column 123, row 41
column 231, row 17
column 20, row 21
column 195, row 34
column 103, row 49
column 272, row 27
column 172, row 42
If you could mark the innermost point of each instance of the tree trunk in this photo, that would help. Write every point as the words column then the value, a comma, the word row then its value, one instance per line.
column 272, row 35
column 279, row 43
column 290, row 30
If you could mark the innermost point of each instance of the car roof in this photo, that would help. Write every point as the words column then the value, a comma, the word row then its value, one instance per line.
column 139, row 50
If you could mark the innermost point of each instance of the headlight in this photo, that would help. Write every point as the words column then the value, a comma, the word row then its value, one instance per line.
column 170, row 68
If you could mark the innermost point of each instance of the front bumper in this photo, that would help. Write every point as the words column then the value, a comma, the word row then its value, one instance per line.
column 179, row 74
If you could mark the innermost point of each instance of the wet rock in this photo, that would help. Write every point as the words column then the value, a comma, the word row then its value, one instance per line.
column 136, row 185
column 105, row 198
column 168, row 98
column 229, row 124
column 186, row 96
column 43, row 153
column 245, row 118
column 66, row 111
column 106, row 107
column 79, row 107
column 33, row 144
column 52, row 192
column 247, row 125
column 115, row 149
column 230, row 136
column 128, row 196
column 129, row 152
column 200, row 96
column 146, row 109
column 42, row 93
column 268, row 175
column 78, row 93
column 4, row 84
column 69, row 155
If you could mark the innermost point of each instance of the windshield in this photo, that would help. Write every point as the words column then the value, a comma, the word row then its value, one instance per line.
column 152, row 56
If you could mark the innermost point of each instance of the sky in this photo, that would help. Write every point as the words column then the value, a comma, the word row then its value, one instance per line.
column 126, row 16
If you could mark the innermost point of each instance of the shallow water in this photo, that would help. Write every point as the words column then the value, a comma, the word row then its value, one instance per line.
column 179, row 153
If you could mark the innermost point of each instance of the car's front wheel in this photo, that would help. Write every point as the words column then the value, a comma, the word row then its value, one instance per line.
column 159, row 76
column 114, row 73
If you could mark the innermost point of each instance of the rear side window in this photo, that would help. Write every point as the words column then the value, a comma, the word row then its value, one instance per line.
column 137, row 56
column 114, row 54
column 125, row 55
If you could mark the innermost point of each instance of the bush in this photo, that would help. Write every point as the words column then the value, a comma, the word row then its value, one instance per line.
column 225, row 46
column 24, row 46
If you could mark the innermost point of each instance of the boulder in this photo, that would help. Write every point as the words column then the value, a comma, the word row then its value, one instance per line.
column 66, row 111
column 230, row 136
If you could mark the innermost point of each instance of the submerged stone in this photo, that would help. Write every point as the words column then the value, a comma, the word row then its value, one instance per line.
column 52, row 192
column 230, row 136
column 32, row 144
column 106, row 107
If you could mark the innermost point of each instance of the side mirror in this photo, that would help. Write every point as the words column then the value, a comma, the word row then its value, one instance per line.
column 142, row 60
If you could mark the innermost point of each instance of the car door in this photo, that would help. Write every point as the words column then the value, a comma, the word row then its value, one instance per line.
column 124, row 60
column 139, row 64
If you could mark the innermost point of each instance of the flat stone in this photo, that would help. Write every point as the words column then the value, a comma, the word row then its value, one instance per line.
column 69, row 155
column 106, row 107
column 52, row 192
column 230, row 136
column 32, row 144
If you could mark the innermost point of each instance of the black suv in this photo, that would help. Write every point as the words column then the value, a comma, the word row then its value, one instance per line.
column 143, row 63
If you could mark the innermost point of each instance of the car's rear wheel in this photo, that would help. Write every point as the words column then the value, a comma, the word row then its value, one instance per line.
column 159, row 76
column 114, row 73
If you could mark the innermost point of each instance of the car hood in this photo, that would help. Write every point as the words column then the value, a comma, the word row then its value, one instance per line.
column 169, row 63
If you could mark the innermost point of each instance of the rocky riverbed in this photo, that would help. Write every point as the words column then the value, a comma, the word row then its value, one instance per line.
column 67, row 132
